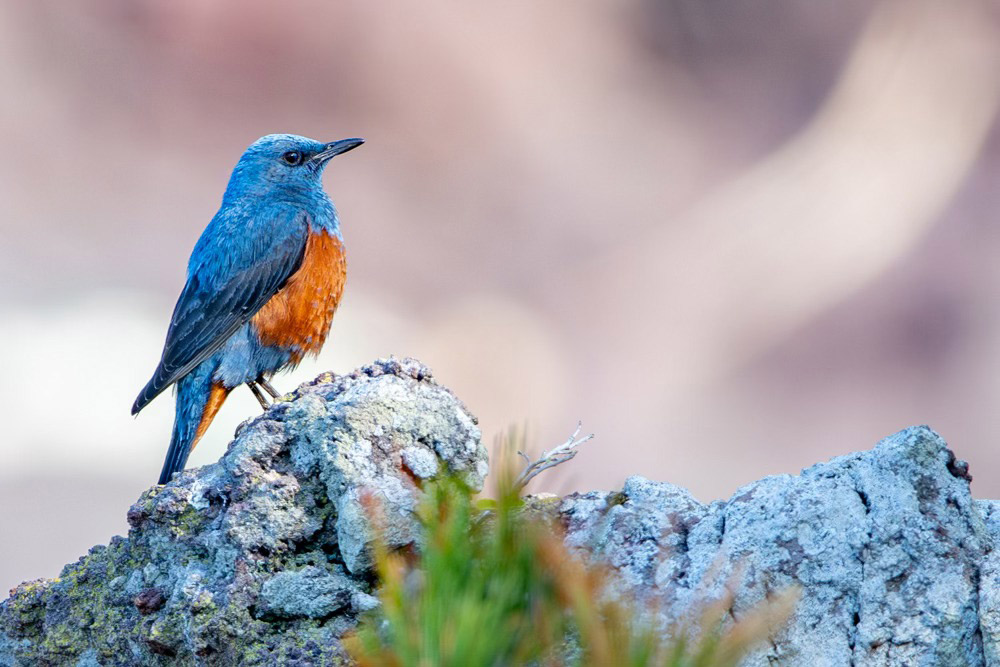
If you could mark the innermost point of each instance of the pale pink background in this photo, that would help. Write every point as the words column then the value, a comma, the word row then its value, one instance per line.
column 733, row 238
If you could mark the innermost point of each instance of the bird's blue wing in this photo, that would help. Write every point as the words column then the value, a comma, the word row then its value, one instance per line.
column 239, row 263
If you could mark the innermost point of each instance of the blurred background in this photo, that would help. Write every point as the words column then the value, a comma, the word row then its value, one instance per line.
column 733, row 238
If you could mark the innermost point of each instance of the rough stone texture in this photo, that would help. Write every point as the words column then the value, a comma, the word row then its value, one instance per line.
column 311, row 592
column 893, row 556
column 259, row 559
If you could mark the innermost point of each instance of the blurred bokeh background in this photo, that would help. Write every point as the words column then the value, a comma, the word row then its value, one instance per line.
column 733, row 238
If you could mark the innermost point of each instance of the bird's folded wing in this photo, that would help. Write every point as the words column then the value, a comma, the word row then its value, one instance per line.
column 229, row 280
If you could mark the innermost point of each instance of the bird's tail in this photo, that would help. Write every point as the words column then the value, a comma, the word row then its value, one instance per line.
column 198, row 400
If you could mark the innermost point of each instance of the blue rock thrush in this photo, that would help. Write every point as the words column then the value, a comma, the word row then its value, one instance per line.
column 262, row 285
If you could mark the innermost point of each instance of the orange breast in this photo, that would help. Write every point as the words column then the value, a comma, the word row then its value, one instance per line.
column 299, row 315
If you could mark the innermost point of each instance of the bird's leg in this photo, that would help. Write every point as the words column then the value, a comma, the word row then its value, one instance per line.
column 260, row 397
column 267, row 387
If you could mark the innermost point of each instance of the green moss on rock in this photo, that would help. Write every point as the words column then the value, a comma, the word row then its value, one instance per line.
column 186, row 586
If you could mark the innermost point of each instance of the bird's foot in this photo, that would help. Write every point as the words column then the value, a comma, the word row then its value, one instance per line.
column 268, row 388
column 260, row 396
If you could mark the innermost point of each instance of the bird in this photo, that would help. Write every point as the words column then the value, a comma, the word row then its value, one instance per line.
column 263, row 283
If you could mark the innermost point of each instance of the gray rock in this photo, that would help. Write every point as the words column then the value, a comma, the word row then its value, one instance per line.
column 421, row 461
column 362, row 602
column 88, row 659
column 261, row 558
column 311, row 592
column 893, row 557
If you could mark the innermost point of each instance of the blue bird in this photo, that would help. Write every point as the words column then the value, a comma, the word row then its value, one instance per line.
column 263, row 283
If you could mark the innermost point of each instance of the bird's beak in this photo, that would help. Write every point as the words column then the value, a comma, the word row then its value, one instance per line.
column 336, row 148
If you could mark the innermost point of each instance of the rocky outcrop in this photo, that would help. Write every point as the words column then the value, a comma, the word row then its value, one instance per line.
column 261, row 558
column 893, row 556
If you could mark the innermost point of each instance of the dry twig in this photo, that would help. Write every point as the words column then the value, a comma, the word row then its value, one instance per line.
column 550, row 458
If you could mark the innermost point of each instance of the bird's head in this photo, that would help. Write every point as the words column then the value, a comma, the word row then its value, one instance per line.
column 285, row 163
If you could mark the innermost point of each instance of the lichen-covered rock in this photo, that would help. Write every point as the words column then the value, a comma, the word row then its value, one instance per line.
column 259, row 559
column 311, row 592
column 892, row 555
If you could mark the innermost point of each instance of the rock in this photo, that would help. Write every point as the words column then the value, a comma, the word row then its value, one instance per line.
column 307, row 593
column 893, row 557
column 262, row 558
column 259, row 559
column 149, row 600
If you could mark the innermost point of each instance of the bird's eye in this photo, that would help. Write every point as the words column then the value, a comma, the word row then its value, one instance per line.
column 292, row 157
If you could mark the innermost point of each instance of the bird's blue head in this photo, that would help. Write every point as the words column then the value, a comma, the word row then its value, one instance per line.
column 286, row 166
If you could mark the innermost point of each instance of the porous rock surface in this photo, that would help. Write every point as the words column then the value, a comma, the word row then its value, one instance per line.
column 261, row 559
column 893, row 557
